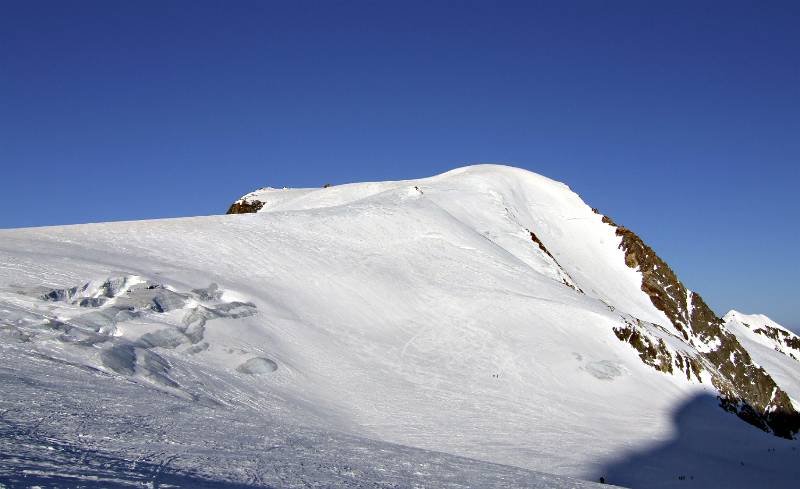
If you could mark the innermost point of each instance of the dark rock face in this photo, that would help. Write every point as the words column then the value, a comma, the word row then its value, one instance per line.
column 653, row 353
column 245, row 207
column 744, row 388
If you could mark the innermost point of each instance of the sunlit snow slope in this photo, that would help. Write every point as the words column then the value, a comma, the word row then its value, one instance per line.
column 471, row 314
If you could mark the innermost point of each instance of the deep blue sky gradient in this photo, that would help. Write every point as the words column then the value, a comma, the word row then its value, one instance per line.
column 679, row 119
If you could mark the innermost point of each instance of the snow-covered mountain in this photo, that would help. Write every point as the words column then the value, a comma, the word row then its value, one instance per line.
column 480, row 328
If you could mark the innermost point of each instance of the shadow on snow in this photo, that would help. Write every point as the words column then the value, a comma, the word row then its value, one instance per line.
column 710, row 448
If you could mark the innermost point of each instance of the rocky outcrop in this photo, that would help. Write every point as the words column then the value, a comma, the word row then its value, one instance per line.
column 780, row 339
column 541, row 245
column 744, row 388
column 652, row 352
column 245, row 207
column 565, row 278
column 779, row 335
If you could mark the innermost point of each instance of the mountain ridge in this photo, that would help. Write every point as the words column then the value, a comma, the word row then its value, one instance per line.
column 486, row 313
column 766, row 407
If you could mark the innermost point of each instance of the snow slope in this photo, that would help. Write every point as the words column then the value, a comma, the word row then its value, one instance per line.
column 360, row 326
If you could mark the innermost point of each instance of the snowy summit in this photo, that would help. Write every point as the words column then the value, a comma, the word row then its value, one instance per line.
column 480, row 328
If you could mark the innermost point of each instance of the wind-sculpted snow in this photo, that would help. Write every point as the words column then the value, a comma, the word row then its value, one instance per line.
column 485, row 322
column 118, row 324
column 256, row 366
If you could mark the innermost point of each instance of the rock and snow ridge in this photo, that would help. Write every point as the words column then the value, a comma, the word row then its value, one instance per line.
column 703, row 344
column 487, row 313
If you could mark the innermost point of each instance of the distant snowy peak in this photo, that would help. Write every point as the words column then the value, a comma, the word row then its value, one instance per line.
column 750, row 320
column 545, row 225
column 765, row 331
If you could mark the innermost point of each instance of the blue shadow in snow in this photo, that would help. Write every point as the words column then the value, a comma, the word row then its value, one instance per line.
column 711, row 448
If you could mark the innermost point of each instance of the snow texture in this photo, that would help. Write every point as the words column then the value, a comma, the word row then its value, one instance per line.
column 392, row 334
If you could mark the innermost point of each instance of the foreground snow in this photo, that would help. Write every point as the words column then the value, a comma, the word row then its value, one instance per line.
column 395, row 334
column 67, row 426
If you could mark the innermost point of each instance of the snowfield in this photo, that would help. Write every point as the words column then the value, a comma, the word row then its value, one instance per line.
column 393, row 334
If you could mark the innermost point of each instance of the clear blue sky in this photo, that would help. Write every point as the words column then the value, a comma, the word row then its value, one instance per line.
column 679, row 119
